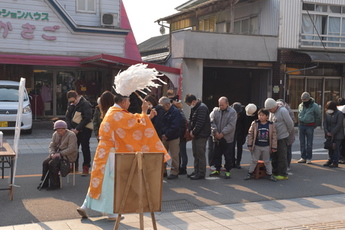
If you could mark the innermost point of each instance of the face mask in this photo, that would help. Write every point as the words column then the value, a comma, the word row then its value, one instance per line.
column 192, row 106
column 330, row 111
column 150, row 106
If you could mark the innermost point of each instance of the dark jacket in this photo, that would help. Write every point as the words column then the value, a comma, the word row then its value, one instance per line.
column 172, row 123
column 241, row 129
column 157, row 120
column 333, row 124
column 85, row 108
column 199, row 120
column 184, row 126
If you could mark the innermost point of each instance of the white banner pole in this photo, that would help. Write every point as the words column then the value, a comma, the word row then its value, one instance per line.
column 18, row 124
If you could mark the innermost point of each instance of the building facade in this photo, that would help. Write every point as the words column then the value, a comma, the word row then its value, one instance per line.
column 249, row 50
column 62, row 45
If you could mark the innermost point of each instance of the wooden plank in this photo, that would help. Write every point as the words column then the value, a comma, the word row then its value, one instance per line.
column 8, row 150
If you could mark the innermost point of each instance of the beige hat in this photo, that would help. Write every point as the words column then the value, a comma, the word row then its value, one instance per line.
column 270, row 103
column 250, row 109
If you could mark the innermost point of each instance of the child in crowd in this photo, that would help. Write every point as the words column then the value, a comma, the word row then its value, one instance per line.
column 262, row 140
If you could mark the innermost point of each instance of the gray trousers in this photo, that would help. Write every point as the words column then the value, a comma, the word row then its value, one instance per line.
column 173, row 147
column 199, row 154
column 261, row 152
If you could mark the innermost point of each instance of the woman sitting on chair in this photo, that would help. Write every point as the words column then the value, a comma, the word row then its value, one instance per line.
column 63, row 144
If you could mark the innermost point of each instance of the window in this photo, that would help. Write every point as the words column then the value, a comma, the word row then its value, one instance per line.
column 323, row 25
column 207, row 24
column 86, row 6
column 247, row 26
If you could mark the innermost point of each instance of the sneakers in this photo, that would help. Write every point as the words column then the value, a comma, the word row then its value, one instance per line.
column 227, row 175
column 328, row 163
column 308, row 161
column 172, row 177
column 85, row 171
column 249, row 176
column 302, row 160
column 279, row 177
column 82, row 212
column 272, row 178
column 190, row 175
column 334, row 165
column 213, row 168
column 214, row 173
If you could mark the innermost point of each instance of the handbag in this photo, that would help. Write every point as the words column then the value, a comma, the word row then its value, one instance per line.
column 77, row 119
column 64, row 166
column 328, row 144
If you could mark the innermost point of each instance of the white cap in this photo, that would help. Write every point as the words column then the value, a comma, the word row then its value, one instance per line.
column 270, row 103
column 250, row 109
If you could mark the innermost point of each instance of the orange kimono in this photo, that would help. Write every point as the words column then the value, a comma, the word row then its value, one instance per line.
column 122, row 131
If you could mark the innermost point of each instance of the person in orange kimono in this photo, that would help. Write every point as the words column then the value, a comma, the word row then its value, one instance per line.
column 120, row 131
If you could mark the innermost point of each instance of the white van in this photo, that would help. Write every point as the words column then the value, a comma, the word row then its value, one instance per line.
column 9, row 93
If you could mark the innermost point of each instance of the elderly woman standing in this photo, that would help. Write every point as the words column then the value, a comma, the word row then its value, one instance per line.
column 333, row 127
column 63, row 144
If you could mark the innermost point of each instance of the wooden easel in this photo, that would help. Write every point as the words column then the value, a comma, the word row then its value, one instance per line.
column 154, row 202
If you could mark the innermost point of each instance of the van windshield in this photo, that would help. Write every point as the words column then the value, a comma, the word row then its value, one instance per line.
column 10, row 93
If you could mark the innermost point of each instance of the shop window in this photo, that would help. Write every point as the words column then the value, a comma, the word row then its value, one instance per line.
column 86, row 6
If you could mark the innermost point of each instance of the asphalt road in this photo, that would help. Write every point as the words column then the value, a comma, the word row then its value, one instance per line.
column 30, row 205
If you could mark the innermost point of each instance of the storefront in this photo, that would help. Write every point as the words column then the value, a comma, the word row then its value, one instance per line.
column 322, row 78
column 58, row 47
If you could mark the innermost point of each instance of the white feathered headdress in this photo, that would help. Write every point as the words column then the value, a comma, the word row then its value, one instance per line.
column 136, row 77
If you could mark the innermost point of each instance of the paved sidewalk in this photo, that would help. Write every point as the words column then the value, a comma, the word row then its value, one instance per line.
column 321, row 212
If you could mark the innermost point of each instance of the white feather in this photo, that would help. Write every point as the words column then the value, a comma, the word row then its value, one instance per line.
column 136, row 77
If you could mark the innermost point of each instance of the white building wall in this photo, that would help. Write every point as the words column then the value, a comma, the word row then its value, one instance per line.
column 67, row 41
column 291, row 18
column 269, row 17
column 266, row 10
column 289, row 23
column 90, row 19
column 192, row 70
column 328, row 2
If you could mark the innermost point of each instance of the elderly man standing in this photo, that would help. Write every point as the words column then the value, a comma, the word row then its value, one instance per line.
column 309, row 116
column 200, row 130
column 171, row 131
column 284, row 125
column 223, row 127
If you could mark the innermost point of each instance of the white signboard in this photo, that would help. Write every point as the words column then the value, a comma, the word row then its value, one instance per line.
column 18, row 123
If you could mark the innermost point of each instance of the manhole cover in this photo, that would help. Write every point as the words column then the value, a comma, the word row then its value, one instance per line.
column 177, row 205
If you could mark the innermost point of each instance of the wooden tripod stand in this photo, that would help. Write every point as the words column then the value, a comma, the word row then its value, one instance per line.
column 142, row 193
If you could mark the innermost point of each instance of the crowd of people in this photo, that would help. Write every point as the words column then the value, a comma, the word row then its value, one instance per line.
column 163, row 127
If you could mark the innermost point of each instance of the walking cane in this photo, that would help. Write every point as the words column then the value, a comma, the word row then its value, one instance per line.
column 42, row 182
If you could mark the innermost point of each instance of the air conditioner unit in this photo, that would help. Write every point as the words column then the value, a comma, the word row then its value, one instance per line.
column 109, row 19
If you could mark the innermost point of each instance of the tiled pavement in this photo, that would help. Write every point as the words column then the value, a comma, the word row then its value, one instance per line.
column 322, row 212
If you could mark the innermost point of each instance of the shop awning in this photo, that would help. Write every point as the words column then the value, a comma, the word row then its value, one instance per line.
column 325, row 57
column 119, row 62
column 39, row 60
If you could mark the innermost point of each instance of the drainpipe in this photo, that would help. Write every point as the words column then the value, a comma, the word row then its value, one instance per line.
column 297, row 70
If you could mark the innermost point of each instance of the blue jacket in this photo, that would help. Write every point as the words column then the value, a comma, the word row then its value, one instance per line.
column 172, row 123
